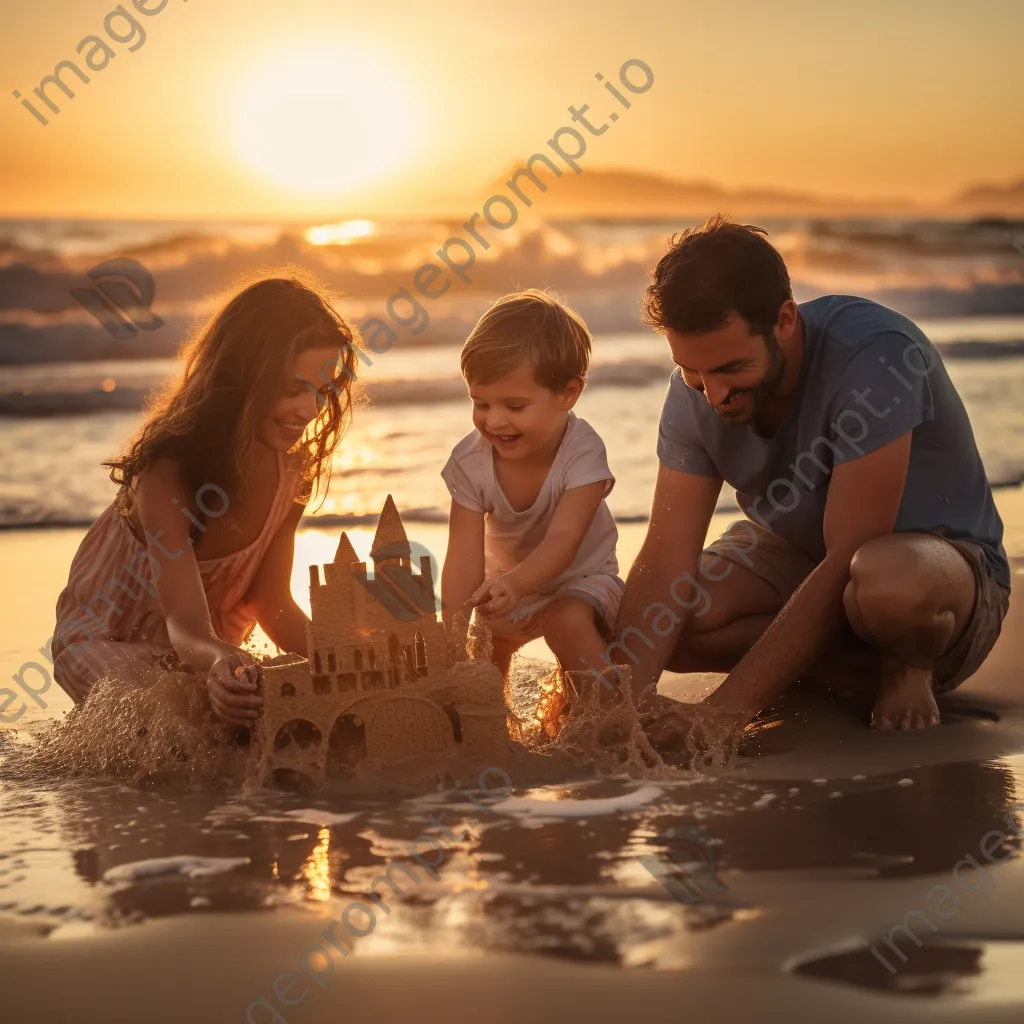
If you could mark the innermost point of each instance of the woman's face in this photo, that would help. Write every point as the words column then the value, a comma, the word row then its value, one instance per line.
column 301, row 397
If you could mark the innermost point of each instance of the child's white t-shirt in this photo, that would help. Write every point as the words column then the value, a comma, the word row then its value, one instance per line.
column 509, row 536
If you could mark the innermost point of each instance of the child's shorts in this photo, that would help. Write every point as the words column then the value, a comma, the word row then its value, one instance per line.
column 524, row 622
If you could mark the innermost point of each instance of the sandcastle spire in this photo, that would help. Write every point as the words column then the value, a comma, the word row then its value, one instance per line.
column 390, row 541
column 346, row 554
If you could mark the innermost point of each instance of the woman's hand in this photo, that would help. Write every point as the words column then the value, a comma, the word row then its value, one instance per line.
column 494, row 598
column 233, row 684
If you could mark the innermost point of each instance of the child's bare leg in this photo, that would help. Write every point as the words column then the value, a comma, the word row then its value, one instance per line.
column 572, row 635
column 502, row 651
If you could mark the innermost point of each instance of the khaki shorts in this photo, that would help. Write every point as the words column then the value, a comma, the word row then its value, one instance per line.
column 767, row 555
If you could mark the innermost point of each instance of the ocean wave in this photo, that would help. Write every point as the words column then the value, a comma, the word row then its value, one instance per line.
column 33, row 519
column 85, row 395
column 926, row 269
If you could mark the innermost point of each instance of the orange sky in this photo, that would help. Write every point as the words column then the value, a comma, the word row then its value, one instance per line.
column 309, row 108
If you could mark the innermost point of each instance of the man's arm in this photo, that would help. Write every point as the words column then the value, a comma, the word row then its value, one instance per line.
column 863, row 501
column 665, row 572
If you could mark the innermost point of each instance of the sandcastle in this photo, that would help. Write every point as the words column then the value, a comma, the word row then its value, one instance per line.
column 382, row 684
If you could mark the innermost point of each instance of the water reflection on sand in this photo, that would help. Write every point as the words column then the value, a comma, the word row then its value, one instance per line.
column 565, row 887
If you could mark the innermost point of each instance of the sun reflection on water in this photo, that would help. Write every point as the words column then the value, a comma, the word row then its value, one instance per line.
column 315, row 869
column 344, row 233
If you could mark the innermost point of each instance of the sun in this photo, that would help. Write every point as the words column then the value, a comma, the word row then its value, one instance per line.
column 324, row 119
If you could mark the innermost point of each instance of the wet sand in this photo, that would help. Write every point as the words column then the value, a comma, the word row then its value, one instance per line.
column 785, row 871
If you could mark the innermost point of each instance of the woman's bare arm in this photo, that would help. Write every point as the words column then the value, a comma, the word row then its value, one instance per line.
column 172, row 572
column 270, row 592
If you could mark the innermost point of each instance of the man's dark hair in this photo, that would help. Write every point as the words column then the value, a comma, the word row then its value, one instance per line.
column 711, row 270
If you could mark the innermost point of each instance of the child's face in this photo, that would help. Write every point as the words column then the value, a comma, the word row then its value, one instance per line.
column 519, row 416
column 298, row 404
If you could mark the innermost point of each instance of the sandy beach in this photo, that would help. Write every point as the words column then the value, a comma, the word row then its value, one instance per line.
column 736, row 231
column 123, row 903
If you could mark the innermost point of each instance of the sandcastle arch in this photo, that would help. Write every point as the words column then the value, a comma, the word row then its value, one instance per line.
column 346, row 739
column 408, row 723
column 298, row 732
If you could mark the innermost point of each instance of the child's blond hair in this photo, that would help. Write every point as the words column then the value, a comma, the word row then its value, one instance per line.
column 530, row 325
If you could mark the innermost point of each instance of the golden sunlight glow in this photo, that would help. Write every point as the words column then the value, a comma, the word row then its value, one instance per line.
column 344, row 233
column 316, row 869
column 325, row 119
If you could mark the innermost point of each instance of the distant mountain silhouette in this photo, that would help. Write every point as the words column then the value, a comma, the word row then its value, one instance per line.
column 623, row 193
column 986, row 198
column 618, row 193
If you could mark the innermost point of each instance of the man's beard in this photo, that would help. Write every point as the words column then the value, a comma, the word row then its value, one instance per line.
column 771, row 380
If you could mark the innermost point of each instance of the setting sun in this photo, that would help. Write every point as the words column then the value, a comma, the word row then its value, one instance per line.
column 325, row 119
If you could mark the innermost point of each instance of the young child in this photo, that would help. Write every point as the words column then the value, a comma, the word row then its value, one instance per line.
column 531, row 540
column 197, row 546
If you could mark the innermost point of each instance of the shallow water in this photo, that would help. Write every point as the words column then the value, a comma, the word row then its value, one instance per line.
column 591, row 868
column 780, row 872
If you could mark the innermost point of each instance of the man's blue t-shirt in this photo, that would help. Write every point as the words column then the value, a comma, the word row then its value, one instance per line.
column 869, row 376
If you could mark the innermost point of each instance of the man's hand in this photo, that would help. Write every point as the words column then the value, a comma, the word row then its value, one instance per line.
column 233, row 684
column 693, row 730
column 495, row 598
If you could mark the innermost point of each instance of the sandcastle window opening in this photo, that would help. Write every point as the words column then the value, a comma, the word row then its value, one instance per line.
column 453, row 717
column 357, row 660
column 287, row 690
column 394, row 655
column 372, row 654
column 332, row 661
column 316, row 662
column 421, row 654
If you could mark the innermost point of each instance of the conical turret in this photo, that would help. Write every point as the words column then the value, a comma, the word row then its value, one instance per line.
column 346, row 554
column 390, row 544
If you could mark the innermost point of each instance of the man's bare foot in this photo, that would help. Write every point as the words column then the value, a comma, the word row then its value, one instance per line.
column 905, row 700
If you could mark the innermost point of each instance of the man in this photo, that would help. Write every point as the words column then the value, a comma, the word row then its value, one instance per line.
column 867, row 505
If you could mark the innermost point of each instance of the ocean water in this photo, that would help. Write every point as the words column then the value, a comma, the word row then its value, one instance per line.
column 51, row 473
column 70, row 392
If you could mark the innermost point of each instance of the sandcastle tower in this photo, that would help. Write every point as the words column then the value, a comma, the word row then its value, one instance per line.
column 377, row 683
column 374, row 633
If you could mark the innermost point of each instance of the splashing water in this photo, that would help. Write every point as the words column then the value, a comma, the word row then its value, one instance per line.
column 157, row 726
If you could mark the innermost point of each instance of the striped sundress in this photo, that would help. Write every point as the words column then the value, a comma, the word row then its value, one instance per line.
column 109, row 618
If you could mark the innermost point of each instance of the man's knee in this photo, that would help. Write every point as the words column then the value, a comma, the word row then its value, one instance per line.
column 891, row 587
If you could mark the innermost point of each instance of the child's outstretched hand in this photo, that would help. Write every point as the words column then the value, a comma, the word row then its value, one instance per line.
column 494, row 598
column 233, row 684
